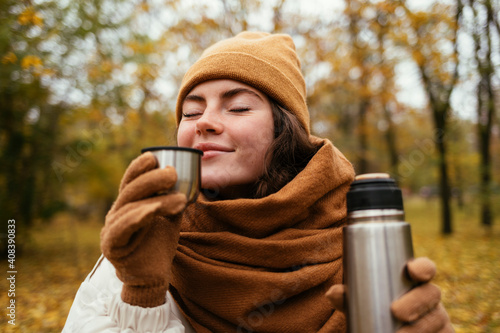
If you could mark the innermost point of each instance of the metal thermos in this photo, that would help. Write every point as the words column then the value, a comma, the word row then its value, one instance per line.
column 377, row 246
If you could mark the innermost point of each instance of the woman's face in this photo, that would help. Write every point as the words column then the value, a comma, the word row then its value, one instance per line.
column 232, row 124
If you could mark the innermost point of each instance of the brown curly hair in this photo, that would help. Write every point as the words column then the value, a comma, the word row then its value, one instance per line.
column 289, row 153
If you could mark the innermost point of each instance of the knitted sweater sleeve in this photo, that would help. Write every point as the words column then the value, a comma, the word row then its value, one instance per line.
column 98, row 307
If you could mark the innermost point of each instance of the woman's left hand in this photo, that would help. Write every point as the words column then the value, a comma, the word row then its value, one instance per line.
column 421, row 309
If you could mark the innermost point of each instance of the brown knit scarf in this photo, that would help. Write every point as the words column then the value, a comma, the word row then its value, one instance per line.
column 264, row 265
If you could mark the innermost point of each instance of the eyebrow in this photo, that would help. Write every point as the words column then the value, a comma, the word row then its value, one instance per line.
column 194, row 98
column 236, row 91
column 224, row 95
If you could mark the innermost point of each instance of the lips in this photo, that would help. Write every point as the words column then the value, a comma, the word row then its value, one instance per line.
column 212, row 149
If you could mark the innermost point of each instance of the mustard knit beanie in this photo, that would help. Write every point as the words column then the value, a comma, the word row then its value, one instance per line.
column 267, row 62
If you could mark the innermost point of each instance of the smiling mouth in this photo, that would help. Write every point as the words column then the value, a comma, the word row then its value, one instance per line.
column 212, row 149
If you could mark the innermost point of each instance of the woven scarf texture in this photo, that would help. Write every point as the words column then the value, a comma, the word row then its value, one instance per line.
column 264, row 265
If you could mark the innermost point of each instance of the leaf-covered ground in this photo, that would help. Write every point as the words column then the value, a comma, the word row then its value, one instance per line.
column 468, row 264
column 61, row 254
column 49, row 272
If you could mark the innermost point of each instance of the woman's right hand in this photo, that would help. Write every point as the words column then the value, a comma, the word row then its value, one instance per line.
column 141, row 231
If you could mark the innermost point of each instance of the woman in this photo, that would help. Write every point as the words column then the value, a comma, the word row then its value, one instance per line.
column 261, row 246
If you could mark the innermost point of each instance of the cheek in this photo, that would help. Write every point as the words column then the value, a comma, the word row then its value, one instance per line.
column 257, row 143
column 184, row 135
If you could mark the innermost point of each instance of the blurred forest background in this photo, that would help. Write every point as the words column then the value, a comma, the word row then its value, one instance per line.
column 406, row 87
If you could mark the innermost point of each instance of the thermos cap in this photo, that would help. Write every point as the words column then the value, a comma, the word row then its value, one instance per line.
column 374, row 191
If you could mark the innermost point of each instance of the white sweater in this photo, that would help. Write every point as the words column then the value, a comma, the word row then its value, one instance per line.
column 98, row 307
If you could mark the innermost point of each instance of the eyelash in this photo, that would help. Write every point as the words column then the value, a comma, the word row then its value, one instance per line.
column 239, row 109
column 232, row 110
column 189, row 115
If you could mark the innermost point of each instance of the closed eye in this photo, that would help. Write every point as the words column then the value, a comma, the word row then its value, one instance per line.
column 240, row 109
column 188, row 115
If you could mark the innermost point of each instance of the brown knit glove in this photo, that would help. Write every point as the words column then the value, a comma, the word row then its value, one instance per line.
column 420, row 309
column 136, row 238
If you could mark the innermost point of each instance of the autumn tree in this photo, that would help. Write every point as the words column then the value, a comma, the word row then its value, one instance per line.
column 360, row 95
column 29, row 122
column 383, row 82
column 432, row 43
column 483, row 26
column 87, row 84
column 361, row 55
column 43, row 49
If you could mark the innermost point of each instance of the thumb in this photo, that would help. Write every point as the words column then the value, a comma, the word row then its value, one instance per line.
column 421, row 269
column 336, row 296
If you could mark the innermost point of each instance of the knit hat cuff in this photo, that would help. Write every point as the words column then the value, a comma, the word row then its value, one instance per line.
column 255, row 72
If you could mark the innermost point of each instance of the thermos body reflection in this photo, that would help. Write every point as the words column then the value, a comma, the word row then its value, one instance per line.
column 377, row 246
column 187, row 164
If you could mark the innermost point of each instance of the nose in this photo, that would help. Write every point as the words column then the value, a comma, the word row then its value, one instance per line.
column 209, row 122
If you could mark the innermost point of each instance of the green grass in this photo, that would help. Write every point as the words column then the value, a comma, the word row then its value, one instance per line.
column 62, row 253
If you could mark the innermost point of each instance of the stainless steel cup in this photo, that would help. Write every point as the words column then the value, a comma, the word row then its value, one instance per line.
column 187, row 163
column 377, row 246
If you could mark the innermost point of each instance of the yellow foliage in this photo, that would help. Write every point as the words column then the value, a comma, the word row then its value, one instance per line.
column 418, row 57
column 148, row 47
column 132, row 117
column 386, row 6
column 144, row 6
column 30, row 16
column 93, row 73
column 107, row 66
column 100, row 69
column 146, row 72
column 95, row 115
column 9, row 58
column 420, row 18
column 49, row 72
column 142, row 47
column 133, row 45
column 31, row 61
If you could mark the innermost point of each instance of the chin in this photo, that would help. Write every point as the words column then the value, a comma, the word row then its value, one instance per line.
column 213, row 187
column 216, row 180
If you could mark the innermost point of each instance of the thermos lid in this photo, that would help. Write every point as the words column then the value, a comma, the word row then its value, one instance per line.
column 374, row 191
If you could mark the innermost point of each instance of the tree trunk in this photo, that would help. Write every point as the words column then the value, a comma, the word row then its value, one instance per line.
column 362, row 165
column 444, row 184
column 485, row 189
column 486, row 112
column 484, row 124
column 439, row 92
column 11, row 165
column 390, row 138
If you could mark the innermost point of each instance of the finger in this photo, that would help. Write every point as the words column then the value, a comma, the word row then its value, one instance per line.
column 336, row 296
column 135, row 212
column 147, row 185
column 117, row 233
column 171, row 204
column 133, row 219
column 416, row 302
column 436, row 320
column 138, row 166
column 421, row 269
